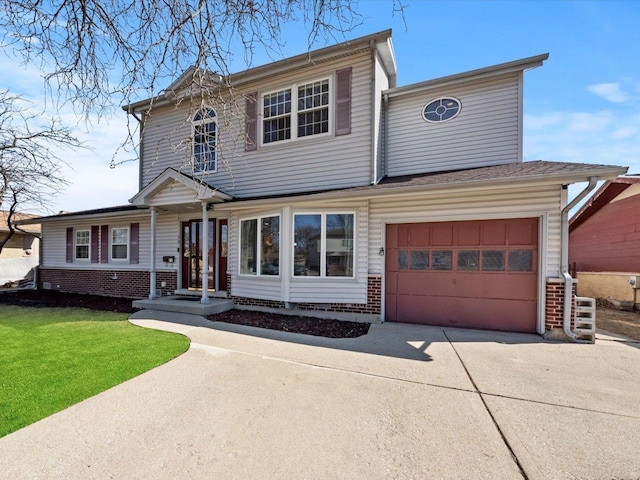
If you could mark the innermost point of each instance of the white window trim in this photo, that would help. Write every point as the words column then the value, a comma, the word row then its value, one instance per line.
column 111, row 244
column 323, row 246
column 75, row 245
column 258, row 246
column 294, row 111
column 193, row 137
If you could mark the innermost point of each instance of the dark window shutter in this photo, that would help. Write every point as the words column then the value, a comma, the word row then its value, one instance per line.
column 104, row 244
column 94, row 243
column 251, row 122
column 70, row 245
column 134, row 249
column 343, row 101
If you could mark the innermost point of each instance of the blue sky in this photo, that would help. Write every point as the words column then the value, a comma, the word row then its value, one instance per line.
column 582, row 105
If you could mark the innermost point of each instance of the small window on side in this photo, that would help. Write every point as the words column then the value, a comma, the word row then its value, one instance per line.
column 441, row 109
column 83, row 238
column 119, row 243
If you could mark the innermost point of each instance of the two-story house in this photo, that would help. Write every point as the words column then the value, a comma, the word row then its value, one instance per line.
column 316, row 184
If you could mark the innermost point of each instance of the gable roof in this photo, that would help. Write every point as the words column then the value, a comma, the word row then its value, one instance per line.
column 603, row 196
column 195, row 190
column 380, row 41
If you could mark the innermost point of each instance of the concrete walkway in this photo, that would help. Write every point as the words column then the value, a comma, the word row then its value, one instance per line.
column 403, row 401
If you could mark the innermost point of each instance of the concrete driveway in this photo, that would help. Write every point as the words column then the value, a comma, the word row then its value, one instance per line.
column 402, row 402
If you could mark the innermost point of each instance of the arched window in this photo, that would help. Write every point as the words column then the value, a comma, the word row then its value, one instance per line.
column 204, row 140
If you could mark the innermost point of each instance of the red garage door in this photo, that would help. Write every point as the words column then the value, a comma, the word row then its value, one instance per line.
column 480, row 274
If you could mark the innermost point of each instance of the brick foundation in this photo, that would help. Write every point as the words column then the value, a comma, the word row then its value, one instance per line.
column 554, row 307
column 372, row 307
column 111, row 283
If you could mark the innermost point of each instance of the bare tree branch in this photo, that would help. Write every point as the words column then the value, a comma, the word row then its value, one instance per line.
column 30, row 165
column 94, row 51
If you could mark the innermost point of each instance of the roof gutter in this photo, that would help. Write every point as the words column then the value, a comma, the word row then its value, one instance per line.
column 564, row 258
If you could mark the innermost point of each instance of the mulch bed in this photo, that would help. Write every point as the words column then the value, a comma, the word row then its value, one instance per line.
column 293, row 324
column 273, row 321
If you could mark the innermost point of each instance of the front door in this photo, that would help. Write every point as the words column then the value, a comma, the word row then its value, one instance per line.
column 223, row 235
column 192, row 254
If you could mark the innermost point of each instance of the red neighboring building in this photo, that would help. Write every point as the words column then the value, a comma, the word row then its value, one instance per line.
column 604, row 236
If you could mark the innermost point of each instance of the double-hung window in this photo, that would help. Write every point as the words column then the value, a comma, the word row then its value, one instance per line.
column 119, row 243
column 83, row 241
column 323, row 244
column 260, row 246
column 204, row 140
column 296, row 112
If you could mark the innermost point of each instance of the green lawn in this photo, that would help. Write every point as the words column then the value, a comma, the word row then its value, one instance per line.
column 51, row 358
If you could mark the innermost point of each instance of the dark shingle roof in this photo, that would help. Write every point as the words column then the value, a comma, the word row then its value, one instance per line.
column 512, row 171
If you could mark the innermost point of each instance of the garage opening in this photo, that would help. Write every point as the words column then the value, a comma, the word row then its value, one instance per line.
column 476, row 274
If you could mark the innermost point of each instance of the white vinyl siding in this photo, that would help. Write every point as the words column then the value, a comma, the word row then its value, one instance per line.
column 526, row 202
column 167, row 238
column 486, row 132
column 309, row 164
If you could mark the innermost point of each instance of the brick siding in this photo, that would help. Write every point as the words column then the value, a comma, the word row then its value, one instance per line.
column 373, row 305
column 111, row 283
column 554, row 308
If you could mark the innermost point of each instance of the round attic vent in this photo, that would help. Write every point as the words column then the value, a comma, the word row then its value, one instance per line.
column 441, row 109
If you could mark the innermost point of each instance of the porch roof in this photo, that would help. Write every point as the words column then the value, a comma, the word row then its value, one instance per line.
column 175, row 190
column 119, row 210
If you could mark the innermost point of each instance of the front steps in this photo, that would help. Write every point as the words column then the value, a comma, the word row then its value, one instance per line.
column 182, row 304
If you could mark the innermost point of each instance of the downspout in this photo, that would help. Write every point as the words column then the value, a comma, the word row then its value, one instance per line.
column 374, row 150
column 385, row 137
column 564, row 257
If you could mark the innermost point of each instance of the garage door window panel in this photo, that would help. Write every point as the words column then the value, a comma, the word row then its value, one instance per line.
column 469, row 260
column 402, row 260
column 420, row 260
column 493, row 261
column 520, row 261
column 441, row 259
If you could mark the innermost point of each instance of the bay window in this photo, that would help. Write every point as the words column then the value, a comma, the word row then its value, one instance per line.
column 323, row 244
column 260, row 246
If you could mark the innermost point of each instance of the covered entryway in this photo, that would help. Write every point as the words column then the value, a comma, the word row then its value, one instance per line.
column 475, row 274
column 192, row 254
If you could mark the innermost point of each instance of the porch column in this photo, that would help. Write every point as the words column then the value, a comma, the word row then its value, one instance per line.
column 152, row 268
column 205, row 254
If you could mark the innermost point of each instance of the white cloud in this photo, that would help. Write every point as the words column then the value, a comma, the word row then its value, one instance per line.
column 609, row 91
